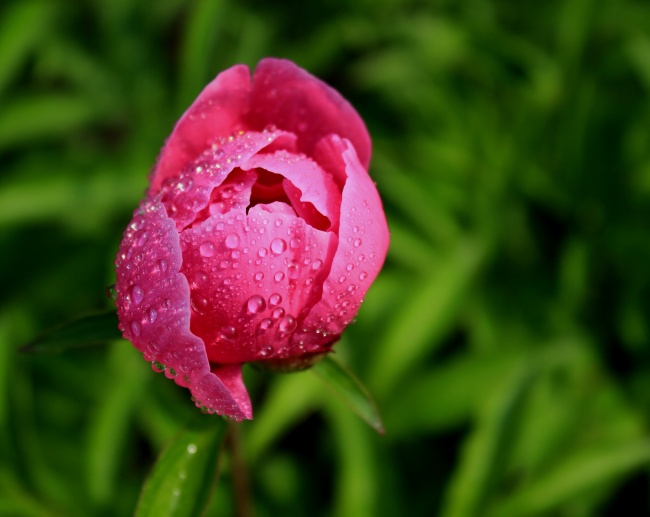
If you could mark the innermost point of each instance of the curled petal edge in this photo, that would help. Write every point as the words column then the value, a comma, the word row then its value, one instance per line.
column 153, row 305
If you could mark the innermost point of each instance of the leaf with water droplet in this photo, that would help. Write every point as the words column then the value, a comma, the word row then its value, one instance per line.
column 346, row 385
column 89, row 330
column 182, row 481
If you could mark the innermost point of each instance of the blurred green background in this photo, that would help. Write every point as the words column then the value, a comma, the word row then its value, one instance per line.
column 507, row 339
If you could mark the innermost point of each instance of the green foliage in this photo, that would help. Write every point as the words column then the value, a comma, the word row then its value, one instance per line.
column 506, row 342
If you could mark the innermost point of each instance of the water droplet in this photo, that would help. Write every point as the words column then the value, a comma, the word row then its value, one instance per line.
column 228, row 332
column 259, row 276
column 162, row 265
column 262, row 252
column 265, row 324
column 255, row 304
column 278, row 246
column 357, row 243
column 141, row 237
column 349, row 267
column 232, row 240
column 191, row 448
column 157, row 367
column 207, row 249
column 135, row 328
column 235, row 254
column 224, row 264
column 185, row 184
column 295, row 243
column 153, row 315
column 341, row 279
column 288, row 324
column 279, row 276
column 278, row 312
column 278, row 222
column 355, row 229
column 317, row 264
column 137, row 294
column 294, row 271
column 275, row 299
column 363, row 275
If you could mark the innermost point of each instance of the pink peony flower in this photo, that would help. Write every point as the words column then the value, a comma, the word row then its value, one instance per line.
column 259, row 235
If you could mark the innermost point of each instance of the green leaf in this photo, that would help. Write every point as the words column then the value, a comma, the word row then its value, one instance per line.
column 485, row 451
column 87, row 330
column 583, row 472
column 182, row 480
column 343, row 381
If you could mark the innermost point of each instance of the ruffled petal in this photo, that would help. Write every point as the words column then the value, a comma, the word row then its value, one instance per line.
column 153, row 306
column 313, row 186
column 286, row 96
column 190, row 191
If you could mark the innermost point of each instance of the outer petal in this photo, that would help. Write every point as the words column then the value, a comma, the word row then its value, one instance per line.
column 253, row 279
column 217, row 112
column 288, row 97
column 153, row 305
column 363, row 244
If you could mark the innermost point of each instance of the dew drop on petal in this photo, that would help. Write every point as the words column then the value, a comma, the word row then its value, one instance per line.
column 317, row 264
column 275, row 299
column 232, row 240
column 135, row 328
column 265, row 324
column 349, row 267
column 153, row 315
column 294, row 271
column 278, row 246
column 288, row 324
column 255, row 304
column 278, row 312
column 356, row 243
column 262, row 252
column 279, row 276
column 363, row 275
column 207, row 249
column 259, row 276
column 137, row 294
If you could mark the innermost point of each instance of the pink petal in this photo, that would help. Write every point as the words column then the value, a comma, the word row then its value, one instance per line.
column 312, row 184
column 189, row 192
column 290, row 98
column 253, row 279
column 217, row 112
column 153, row 306
column 363, row 243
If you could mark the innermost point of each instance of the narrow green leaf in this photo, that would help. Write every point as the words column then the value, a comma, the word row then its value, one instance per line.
column 290, row 398
column 182, row 480
column 484, row 457
column 23, row 26
column 344, row 383
column 420, row 320
column 87, row 330
column 581, row 473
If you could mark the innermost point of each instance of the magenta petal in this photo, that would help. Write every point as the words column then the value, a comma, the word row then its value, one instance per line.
column 315, row 185
column 286, row 96
column 153, row 307
column 230, row 376
column 217, row 112
column 191, row 190
column 363, row 243
column 266, row 270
